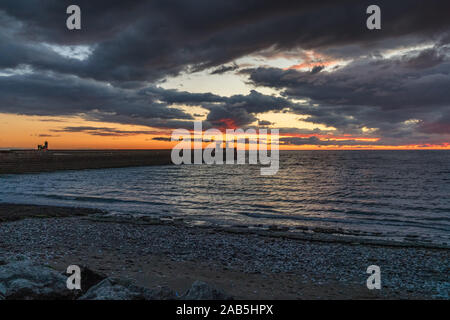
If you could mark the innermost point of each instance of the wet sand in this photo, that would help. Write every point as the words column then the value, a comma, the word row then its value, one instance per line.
column 33, row 161
column 245, row 265
column 13, row 212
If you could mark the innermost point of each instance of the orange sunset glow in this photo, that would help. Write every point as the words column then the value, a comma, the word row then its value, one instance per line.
column 26, row 132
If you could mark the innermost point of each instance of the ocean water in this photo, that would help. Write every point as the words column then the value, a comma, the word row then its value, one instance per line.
column 394, row 195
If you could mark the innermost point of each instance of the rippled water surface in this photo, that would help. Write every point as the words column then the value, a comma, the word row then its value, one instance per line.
column 401, row 195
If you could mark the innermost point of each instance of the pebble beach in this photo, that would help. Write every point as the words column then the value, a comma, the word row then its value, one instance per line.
column 245, row 265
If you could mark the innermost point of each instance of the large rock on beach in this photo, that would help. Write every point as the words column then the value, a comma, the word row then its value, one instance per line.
column 25, row 281
column 115, row 289
column 22, row 279
column 111, row 289
column 160, row 293
column 202, row 291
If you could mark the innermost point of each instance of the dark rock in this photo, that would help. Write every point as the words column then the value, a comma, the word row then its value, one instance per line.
column 22, row 280
column 115, row 289
column 160, row 293
column 203, row 291
column 89, row 278
column 112, row 289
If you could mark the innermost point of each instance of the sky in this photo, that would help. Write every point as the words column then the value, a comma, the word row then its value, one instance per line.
column 137, row 70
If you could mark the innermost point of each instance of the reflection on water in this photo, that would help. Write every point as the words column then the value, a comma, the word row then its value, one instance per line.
column 393, row 194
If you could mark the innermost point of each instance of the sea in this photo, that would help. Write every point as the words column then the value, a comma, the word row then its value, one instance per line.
column 398, row 196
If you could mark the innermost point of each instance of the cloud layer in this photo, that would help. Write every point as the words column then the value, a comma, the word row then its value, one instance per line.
column 394, row 85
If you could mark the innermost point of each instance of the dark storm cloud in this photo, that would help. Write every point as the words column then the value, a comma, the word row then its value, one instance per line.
column 225, row 69
column 264, row 123
column 55, row 94
column 379, row 82
column 426, row 59
column 317, row 69
column 440, row 125
column 47, row 136
column 373, row 93
column 149, row 40
column 61, row 95
column 103, row 131
column 162, row 139
column 173, row 96
column 300, row 141
column 316, row 141
column 241, row 109
column 134, row 43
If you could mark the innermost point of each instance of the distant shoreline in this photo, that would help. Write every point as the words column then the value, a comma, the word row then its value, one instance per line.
column 33, row 161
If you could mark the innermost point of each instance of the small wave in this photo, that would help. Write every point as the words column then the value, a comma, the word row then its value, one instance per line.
column 99, row 199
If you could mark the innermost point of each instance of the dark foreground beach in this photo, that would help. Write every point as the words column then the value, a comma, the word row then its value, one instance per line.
column 33, row 161
column 243, row 264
